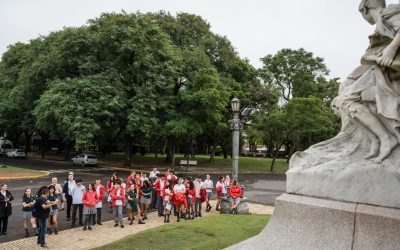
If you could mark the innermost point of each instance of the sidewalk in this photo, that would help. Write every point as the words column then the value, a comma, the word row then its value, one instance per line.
column 76, row 238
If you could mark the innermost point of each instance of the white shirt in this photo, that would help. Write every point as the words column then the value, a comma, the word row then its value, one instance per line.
column 118, row 202
column 208, row 184
column 179, row 188
column 219, row 184
column 153, row 174
column 99, row 204
column 161, row 187
column 198, row 185
column 4, row 194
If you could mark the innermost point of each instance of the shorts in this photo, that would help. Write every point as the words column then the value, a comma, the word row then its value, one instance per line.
column 145, row 201
column 221, row 195
column 209, row 195
column 234, row 200
column 54, row 211
column 133, row 205
column 27, row 215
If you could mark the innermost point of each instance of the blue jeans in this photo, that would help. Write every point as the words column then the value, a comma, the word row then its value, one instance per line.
column 42, row 224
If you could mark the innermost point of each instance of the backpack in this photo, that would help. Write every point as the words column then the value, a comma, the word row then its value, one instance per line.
column 35, row 210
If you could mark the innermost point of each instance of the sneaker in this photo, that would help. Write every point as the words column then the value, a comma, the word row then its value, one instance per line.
column 131, row 222
column 90, row 228
column 99, row 223
column 84, row 228
column 116, row 225
column 50, row 232
column 141, row 222
column 55, row 231
column 122, row 226
column 200, row 215
column 43, row 245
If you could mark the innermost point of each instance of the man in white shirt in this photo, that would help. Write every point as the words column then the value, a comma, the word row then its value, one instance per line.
column 77, row 195
column 153, row 173
column 198, row 185
column 209, row 187
column 180, row 197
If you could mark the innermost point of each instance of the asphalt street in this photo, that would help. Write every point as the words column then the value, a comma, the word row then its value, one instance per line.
column 259, row 188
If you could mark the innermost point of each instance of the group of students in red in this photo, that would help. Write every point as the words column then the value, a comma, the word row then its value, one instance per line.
column 165, row 192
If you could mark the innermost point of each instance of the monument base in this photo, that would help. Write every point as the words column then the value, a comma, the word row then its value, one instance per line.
column 243, row 207
column 301, row 222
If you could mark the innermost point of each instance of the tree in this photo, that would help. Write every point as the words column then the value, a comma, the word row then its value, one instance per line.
column 294, row 72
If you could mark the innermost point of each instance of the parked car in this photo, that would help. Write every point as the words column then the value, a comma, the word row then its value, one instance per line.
column 84, row 160
column 16, row 153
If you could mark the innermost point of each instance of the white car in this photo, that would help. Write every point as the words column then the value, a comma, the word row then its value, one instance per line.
column 84, row 160
column 16, row 153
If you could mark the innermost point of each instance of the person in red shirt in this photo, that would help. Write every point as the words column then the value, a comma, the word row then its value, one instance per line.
column 190, row 198
column 159, row 185
column 99, row 188
column 130, row 178
column 235, row 193
column 117, row 203
column 89, row 200
column 167, row 194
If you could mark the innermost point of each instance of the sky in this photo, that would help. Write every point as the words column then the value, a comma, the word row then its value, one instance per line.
column 331, row 29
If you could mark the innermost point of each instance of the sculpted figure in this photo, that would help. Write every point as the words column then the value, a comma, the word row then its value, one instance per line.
column 369, row 97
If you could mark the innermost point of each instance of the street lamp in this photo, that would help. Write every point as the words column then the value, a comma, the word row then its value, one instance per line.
column 236, row 126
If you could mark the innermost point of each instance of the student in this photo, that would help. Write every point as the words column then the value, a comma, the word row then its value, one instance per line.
column 167, row 198
column 5, row 208
column 99, row 205
column 77, row 195
column 28, row 201
column 110, row 186
column 235, row 192
column 191, row 199
column 143, row 177
column 67, row 190
column 132, row 195
column 154, row 173
column 221, row 191
column 199, row 186
column 58, row 192
column 145, row 200
column 209, row 187
column 130, row 179
column 53, row 220
column 43, row 211
column 117, row 203
column 169, row 176
column 228, row 181
column 159, row 185
column 89, row 199
column 180, row 198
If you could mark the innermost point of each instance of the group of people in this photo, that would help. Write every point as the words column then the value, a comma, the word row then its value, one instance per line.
column 166, row 192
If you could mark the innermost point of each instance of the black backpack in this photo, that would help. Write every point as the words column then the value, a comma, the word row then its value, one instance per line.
column 35, row 209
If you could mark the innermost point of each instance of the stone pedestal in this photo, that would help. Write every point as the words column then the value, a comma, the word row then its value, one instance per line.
column 307, row 223
column 225, row 207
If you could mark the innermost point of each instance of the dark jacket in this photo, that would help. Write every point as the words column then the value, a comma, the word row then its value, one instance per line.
column 5, row 211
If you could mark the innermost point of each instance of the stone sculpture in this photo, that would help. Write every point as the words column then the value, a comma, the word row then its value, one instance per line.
column 361, row 163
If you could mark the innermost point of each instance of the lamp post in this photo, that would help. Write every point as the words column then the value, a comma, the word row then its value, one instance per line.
column 236, row 126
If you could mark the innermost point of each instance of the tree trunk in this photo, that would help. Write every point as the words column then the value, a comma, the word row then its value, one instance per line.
column 128, row 142
column 170, row 158
column 28, row 137
column 67, row 150
column 44, row 143
column 212, row 154
column 224, row 151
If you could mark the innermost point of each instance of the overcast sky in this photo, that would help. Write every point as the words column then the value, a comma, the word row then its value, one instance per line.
column 332, row 29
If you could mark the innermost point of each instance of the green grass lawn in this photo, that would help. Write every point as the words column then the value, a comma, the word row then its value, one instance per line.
column 246, row 164
column 15, row 172
column 213, row 232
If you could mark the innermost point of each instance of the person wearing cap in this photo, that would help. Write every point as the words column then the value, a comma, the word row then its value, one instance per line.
column 69, row 185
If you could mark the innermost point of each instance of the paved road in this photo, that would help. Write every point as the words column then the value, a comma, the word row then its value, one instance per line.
column 260, row 188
